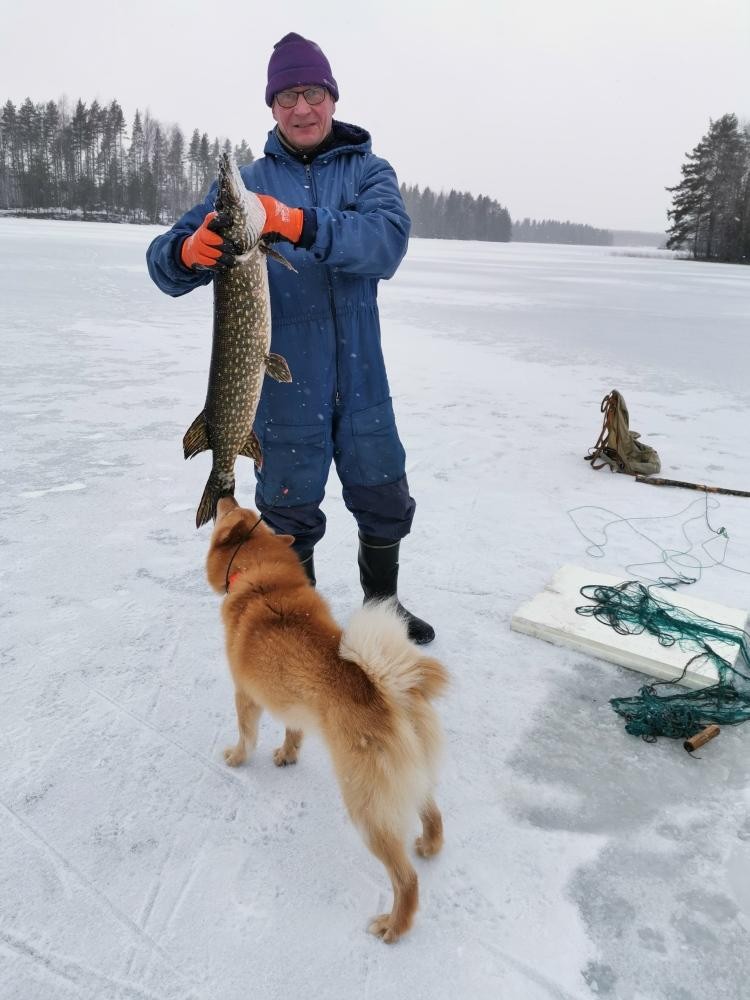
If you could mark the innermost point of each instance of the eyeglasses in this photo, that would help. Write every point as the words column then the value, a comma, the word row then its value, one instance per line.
column 313, row 95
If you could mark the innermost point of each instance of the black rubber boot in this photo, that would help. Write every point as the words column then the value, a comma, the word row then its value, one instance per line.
column 308, row 565
column 378, row 573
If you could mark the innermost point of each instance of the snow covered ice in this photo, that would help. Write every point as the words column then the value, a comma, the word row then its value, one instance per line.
column 579, row 861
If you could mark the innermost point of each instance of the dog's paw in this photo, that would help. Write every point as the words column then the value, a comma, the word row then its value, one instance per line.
column 283, row 756
column 427, row 848
column 234, row 756
column 381, row 927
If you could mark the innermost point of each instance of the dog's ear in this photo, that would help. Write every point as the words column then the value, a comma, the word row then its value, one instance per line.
column 231, row 530
column 286, row 539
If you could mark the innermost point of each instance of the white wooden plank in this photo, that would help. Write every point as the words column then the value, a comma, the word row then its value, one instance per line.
column 551, row 615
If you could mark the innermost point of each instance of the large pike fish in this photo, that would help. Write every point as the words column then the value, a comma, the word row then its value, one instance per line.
column 240, row 355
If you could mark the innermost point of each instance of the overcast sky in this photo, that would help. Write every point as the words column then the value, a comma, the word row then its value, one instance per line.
column 565, row 109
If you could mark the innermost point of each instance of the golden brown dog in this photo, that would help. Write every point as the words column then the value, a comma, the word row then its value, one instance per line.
column 366, row 690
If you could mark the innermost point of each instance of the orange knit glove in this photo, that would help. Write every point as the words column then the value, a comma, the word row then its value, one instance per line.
column 281, row 220
column 207, row 247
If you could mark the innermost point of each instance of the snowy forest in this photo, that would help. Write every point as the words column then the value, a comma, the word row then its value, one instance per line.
column 550, row 231
column 710, row 214
column 457, row 215
column 82, row 161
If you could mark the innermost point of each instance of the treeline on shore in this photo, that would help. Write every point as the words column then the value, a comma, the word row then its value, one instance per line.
column 82, row 161
column 550, row 231
column 457, row 215
column 710, row 213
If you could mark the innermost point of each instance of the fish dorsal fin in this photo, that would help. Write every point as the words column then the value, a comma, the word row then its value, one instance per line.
column 252, row 449
column 277, row 368
column 196, row 437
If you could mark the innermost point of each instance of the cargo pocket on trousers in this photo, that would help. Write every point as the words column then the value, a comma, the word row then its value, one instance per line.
column 380, row 454
column 295, row 465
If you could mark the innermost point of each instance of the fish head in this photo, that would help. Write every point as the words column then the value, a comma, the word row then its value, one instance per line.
column 241, row 208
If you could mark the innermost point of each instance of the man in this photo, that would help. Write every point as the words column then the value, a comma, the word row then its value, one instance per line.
column 337, row 212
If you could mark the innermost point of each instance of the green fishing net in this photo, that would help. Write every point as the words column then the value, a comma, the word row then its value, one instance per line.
column 631, row 609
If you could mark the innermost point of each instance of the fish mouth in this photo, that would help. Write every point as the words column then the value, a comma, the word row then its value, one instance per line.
column 231, row 187
column 236, row 201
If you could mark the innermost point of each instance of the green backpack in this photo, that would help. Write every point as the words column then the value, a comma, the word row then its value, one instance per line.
column 618, row 446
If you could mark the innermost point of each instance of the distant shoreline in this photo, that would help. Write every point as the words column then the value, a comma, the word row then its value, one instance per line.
column 621, row 237
column 73, row 216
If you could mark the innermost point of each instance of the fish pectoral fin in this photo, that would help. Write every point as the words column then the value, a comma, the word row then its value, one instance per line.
column 196, row 437
column 275, row 255
column 252, row 449
column 277, row 368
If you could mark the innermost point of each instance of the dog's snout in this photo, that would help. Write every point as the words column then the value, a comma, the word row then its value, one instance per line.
column 224, row 505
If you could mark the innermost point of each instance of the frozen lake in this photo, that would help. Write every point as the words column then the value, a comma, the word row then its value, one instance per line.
column 579, row 861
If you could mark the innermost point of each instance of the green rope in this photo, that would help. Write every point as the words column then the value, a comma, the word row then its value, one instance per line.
column 631, row 609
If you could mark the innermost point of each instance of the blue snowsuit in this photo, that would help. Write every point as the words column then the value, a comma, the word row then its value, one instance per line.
column 325, row 323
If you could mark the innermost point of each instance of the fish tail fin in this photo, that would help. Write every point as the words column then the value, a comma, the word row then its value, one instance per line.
column 196, row 437
column 216, row 487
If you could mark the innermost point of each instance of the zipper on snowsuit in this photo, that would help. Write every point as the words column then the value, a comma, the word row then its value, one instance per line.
column 314, row 194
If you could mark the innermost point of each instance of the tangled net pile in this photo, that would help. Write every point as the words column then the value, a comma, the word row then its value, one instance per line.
column 631, row 609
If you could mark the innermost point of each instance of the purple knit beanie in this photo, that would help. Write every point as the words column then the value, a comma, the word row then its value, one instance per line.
column 296, row 61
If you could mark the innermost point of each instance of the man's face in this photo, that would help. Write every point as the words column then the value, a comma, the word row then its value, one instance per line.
column 305, row 125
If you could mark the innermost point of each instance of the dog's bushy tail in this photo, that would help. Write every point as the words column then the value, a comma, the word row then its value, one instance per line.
column 383, row 790
column 376, row 639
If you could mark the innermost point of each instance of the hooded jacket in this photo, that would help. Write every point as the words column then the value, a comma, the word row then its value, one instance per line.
column 325, row 316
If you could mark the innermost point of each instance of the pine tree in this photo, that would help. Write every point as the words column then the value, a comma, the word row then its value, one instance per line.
column 156, row 179
column 51, row 151
column 725, row 221
column 743, row 209
column 193, row 155
column 427, row 212
column 26, row 130
column 9, row 191
column 79, row 129
column 243, row 154
column 206, row 170
column 708, row 205
column 117, row 159
column 174, row 171
column 135, row 169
